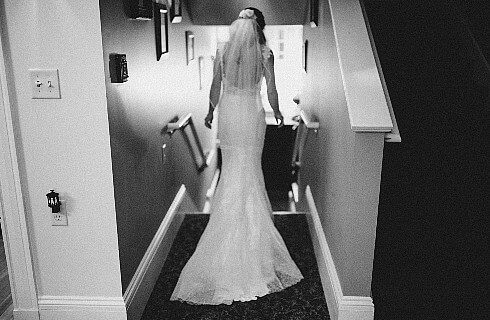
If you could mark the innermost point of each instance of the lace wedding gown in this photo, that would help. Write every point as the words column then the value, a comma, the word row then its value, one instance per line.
column 241, row 255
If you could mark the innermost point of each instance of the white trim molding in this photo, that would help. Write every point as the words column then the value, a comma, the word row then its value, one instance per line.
column 340, row 307
column 81, row 308
column 14, row 225
column 394, row 134
column 366, row 101
column 139, row 289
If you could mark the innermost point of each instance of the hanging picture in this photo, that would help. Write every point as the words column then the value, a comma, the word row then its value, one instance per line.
column 314, row 13
column 200, row 63
column 305, row 55
column 176, row 11
column 160, row 19
column 189, row 43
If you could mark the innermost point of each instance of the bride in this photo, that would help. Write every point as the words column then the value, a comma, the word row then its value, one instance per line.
column 241, row 255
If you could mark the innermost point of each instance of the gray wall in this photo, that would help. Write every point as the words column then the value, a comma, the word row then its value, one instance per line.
column 343, row 168
column 144, row 185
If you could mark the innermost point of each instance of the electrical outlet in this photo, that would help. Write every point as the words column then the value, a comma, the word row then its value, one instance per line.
column 60, row 218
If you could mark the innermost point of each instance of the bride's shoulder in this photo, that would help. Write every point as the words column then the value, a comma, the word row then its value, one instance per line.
column 266, row 52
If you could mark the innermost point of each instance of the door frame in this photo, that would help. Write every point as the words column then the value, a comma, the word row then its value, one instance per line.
column 12, row 210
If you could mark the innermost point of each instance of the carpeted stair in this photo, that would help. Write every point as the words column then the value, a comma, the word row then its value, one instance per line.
column 304, row 300
column 5, row 295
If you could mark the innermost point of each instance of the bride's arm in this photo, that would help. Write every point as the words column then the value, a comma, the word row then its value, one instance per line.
column 270, row 79
column 215, row 91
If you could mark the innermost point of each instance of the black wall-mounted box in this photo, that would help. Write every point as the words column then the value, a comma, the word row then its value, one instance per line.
column 118, row 68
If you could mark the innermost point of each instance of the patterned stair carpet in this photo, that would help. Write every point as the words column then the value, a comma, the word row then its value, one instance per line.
column 5, row 296
column 304, row 300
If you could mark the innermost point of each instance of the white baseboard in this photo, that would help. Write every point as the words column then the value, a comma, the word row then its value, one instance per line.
column 26, row 314
column 145, row 277
column 81, row 308
column 340, row 307
column 8, row 314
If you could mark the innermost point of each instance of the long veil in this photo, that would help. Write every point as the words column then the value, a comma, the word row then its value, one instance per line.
column 242, row 55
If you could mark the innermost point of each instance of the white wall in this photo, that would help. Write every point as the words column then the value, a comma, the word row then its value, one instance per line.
column 138, row 109
column 343, row 168
column 64, row 144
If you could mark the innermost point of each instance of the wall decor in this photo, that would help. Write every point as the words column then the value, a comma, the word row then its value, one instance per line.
column 160, row 18
column 314, row 13
column 200, row 63
column 118, row 68
column 189, row 46
column 305, row 55
column 176, row 11
column 138, row 9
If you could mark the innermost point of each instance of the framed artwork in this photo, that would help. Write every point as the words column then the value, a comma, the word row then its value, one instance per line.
column 305, row 55
column 176, row 11
column 314, row 13
column 160, row 18
column 189, row 46
column 200, row 63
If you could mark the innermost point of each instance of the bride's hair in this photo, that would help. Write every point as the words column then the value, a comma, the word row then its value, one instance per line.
column 261, row 22
column 242, row 56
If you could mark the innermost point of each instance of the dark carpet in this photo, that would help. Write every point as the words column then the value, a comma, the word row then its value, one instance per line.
column 304, row 300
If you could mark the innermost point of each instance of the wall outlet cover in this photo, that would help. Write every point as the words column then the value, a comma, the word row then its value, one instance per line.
column 60, row 218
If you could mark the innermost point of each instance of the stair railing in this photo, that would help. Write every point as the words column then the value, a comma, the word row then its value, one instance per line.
column 303, row 127
column 192, row 140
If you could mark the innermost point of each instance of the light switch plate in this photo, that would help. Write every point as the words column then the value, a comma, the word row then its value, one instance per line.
column 45, row 83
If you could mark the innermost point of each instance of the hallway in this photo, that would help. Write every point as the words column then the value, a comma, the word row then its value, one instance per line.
column 404, row 222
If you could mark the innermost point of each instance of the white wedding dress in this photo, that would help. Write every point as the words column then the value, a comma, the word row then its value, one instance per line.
column 241, row 255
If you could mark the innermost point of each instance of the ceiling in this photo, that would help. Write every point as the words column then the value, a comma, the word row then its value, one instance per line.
column 224, row 12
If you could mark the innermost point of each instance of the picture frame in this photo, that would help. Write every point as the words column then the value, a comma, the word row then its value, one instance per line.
column 176, row 11
column 200, row 64
column 189, row 46
column 314, row 13
column 160, row 19
column 305, row 55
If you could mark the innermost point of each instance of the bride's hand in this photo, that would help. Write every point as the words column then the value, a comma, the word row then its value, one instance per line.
column 208, row 120
column 279, row 118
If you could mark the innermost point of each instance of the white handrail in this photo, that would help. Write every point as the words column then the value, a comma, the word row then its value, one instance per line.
column 301, row 136
column 309, row 124
column 394, row 134
column 172, row 126
column 200, row 158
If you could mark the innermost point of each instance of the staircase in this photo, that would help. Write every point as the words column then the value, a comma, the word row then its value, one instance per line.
column 304, row 300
